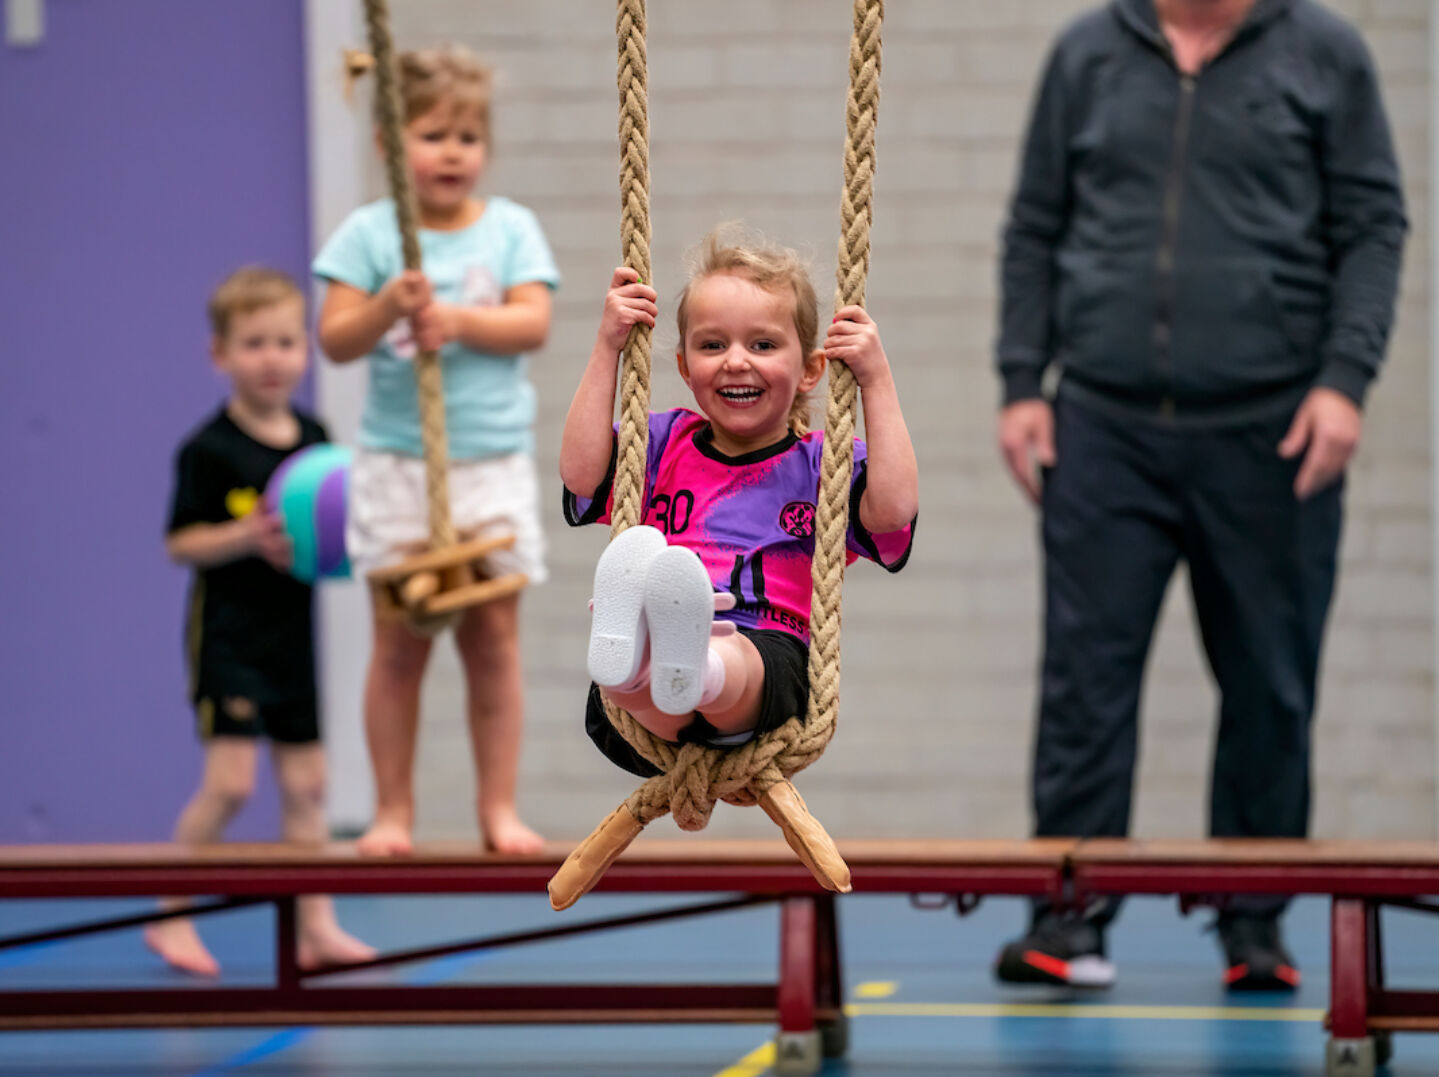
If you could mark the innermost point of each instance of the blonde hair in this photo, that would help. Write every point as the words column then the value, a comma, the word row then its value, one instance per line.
column 247, row 290
column 451, row 74
column 770, row 266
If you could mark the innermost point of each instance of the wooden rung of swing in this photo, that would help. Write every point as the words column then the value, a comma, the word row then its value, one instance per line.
column 425, row 605
column 474, row 594
column 461, row 553
column 439, row 582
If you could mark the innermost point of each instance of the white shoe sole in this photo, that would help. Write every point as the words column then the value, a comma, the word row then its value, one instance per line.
column 679, row 606
column 617, row 626
column 1091, row 971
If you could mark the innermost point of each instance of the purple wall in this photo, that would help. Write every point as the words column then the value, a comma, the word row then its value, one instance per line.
column 152, row 146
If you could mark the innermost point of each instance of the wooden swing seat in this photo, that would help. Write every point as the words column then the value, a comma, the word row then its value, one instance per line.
column 443, row 581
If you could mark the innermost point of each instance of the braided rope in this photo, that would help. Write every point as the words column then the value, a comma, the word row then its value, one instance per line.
column 696, row 777
column 837, row 465
column 389, row 114
column 633, row 79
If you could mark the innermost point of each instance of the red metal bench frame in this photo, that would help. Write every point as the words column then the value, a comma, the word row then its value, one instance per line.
column 1359, row 877
column 805, row 1000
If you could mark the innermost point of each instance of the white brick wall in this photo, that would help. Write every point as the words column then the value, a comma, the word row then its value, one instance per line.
column 747, row 115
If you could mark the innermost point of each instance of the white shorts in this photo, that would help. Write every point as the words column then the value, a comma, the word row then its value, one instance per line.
column 387, row 518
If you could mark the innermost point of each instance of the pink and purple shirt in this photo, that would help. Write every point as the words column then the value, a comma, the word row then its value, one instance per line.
column 750, row 518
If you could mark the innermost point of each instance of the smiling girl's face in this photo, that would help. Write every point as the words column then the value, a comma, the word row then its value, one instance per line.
column 743, row 359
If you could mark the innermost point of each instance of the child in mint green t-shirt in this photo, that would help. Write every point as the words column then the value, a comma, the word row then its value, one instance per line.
column 482, row 301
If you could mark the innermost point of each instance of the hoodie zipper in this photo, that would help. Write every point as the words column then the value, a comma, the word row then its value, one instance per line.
column 1169, row 241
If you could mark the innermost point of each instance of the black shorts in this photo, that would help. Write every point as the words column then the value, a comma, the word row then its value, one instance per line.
column 785, row 695
column 291, row 722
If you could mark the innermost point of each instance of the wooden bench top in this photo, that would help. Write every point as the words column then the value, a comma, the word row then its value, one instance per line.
column 768, row 866
column 1277, row 851
column 721, row 852
column 754, row 866
column 1255, row 866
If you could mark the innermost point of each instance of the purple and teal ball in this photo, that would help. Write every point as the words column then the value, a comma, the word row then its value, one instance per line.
column 308, row 493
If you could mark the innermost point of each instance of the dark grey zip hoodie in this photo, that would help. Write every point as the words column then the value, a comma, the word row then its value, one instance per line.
column 1204, row 248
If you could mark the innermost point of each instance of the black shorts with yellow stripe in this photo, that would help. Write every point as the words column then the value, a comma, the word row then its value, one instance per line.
column 291, row 722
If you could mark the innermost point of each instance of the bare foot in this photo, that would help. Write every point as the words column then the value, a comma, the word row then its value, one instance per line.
column 178, row 945
column 331, row 945
column 386, row 839
column 505, row 833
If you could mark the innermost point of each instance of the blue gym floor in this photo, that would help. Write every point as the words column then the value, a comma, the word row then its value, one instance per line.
column 918, row 984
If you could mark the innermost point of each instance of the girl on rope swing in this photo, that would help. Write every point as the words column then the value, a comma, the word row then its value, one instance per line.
column 729, row 515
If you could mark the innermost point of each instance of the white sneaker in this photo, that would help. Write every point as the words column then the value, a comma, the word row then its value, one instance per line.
column 617, row 628
column 679, row 606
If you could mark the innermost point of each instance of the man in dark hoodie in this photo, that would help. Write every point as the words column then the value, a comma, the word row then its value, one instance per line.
column 1198, row 282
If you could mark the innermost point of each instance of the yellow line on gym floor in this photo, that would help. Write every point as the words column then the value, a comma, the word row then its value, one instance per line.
column 758, row 1061
column 753, row 1064
column 1111, row 1013
column 876, row 989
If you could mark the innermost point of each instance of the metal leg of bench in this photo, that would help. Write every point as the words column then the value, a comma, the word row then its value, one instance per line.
column 1351, row 1050
column 834, row 1035
column 1375, row 939
column 1383, row 1039
column 798, row 1049
column 1351, row 969
column 828, row 976
column 287, row 959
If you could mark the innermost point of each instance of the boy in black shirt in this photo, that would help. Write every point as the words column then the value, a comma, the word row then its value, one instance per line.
column 248, row 633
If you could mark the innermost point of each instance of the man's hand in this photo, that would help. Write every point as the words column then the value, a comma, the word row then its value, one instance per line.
column 1026, row 439
column 1329, row 424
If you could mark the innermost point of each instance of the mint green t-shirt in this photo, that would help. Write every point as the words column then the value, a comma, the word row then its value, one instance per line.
column 489, row 401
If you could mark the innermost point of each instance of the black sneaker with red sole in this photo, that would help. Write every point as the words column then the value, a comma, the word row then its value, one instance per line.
column 1057, row 950
column 1254, row 953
